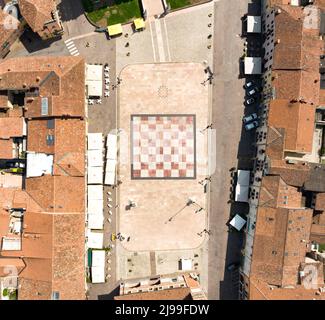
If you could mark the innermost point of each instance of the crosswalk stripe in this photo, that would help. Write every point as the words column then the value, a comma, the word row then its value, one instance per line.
column 72, row 47
column 74, row 51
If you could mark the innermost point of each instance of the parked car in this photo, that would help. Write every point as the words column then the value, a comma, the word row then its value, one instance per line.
column 249, row 101
column 251, row 125
column 251, row 92
column 15, row 164
column 249, row 84
column 233, row 266
column 250, row 118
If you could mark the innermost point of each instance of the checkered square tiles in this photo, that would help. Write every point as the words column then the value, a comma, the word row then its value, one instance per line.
column 163, row 146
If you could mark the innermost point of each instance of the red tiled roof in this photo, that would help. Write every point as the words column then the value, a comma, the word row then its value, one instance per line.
column 53, row 236
column 278, row 249
column 11, row 127
column 298, row 121
column 69, row 144
column 168, row 294
column 260, row 290
column 6, row 149
column 60, row 79
column 37, row 12
column 5, row 32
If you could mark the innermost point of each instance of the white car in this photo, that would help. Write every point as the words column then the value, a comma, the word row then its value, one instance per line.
column 250, row 118
column 251, row 125
column 248, row 84
column 251, row 92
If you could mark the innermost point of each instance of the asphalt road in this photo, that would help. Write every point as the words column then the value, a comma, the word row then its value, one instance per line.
column 73, row 18
column 231, row 145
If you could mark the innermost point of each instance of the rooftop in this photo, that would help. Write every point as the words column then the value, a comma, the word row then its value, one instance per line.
column 168, row 294
column 37, row 12
column 52, row 236
column 298, row 121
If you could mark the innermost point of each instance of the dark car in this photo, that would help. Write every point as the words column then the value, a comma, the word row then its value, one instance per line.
column 233, row 266
column 250, row 101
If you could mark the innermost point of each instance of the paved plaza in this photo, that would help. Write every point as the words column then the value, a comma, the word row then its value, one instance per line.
column 163, row 217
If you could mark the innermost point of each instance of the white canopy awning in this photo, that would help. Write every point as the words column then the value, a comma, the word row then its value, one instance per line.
column 186, row 264
column 253, row 65
column 95, row 158
column 95, row 206
column 94, row 80
column 95, row 88
column 237, row 222
column 254, row 24
column 95, row 192
column 95, row 141
column 110, row 172
column 241, row 193
column 98, row 266
column 243, row 177
column 95, row 175
column 95, row 239
column 94, row 72
column 111, row 145
column 95, row 221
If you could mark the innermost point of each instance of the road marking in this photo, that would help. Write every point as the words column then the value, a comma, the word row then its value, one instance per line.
column 153, row 46
column 160, row 42
column 84, row 35
column 167, row 42
column 71, row 47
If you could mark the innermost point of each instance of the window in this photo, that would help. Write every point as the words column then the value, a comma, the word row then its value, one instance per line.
column 45, row 107
column 50, row 124
column 50, row 140
column 55, row 295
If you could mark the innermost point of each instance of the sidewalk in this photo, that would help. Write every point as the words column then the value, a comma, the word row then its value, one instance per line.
column 153, row 7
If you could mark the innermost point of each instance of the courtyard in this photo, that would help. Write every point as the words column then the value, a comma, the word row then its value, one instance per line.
column 163, row 108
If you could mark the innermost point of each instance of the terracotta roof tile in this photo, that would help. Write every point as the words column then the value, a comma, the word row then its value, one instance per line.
column 298, row 121
column 6, row 33
column 37, row 12
column 61, row 80
column 168, row 294
column 278, row 249
column 11, row 127
column 47, row 191
column 54, row 225
column 6, row 149
column 320, row 201
column 260, row 290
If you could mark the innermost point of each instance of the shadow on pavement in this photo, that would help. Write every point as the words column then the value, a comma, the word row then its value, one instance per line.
column 229, row 286
column 70, row 9
column 32, row 42
column 111, row 295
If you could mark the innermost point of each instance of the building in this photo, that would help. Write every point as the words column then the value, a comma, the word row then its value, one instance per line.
column 42, row 231
column 10, row 30
column 285, row 225
column 42, row 16
column 167, row 287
